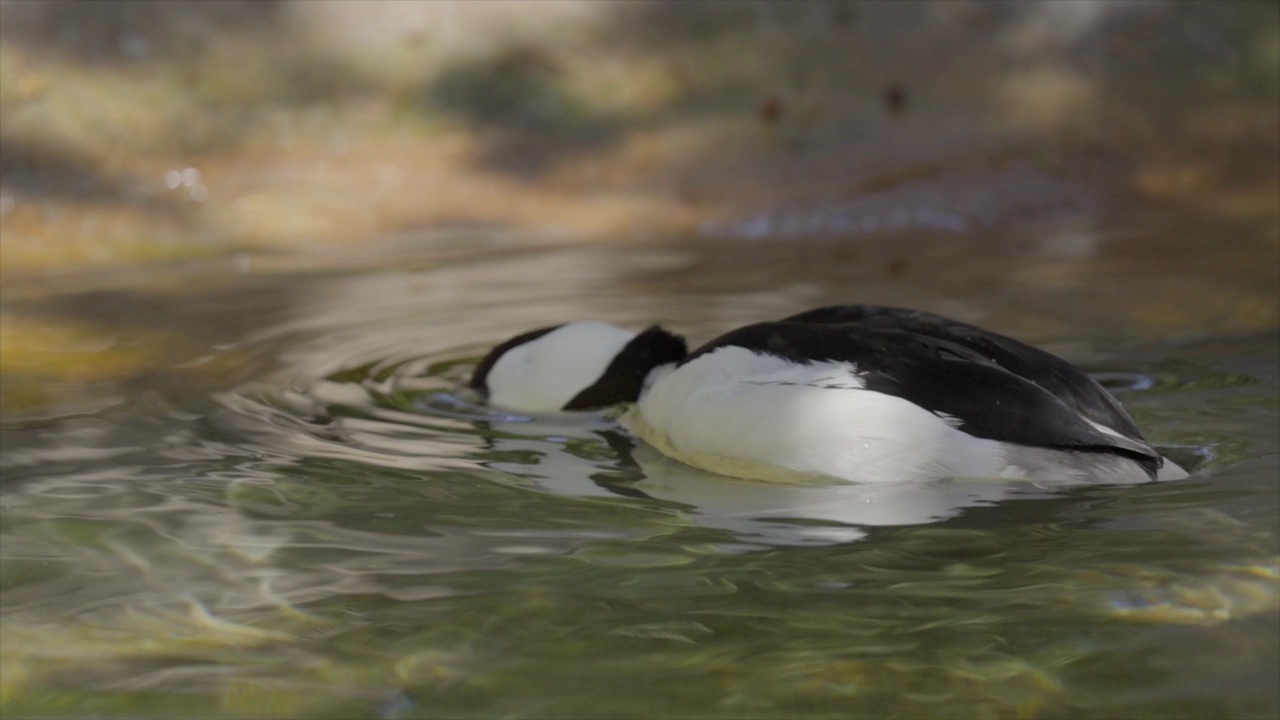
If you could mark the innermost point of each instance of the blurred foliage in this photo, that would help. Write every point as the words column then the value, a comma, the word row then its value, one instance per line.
column 317, row 122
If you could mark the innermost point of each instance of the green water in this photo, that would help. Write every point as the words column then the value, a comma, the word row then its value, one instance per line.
column 328, row 528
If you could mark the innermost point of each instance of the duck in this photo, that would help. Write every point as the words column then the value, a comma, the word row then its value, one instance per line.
column 844, row 393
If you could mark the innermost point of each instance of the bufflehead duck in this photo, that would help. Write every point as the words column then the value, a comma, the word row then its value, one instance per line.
column 857, row 393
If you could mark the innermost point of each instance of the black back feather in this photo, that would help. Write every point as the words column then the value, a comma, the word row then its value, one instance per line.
column 1059, row 377
column 998, row 388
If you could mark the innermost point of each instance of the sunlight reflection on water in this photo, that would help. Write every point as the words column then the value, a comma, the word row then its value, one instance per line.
column 352, row 520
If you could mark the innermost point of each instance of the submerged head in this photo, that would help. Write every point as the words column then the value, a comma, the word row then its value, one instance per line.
column 578, row 366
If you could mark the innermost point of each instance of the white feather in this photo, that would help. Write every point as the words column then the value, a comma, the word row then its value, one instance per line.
column 544, row 374
column 737, row 412
column 1103, row 428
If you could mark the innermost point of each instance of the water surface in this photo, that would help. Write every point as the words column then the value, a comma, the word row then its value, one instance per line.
column 325, row 526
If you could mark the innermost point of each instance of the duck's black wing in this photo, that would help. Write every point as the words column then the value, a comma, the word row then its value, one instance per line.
column 1057, row 376
column 948, row 378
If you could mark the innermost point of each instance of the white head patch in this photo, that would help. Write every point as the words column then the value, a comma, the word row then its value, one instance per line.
column 544, row 374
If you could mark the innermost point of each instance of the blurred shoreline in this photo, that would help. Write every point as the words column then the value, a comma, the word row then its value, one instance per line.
column 134, row 131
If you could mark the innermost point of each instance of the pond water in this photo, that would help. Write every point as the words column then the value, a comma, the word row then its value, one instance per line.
column 328, row 527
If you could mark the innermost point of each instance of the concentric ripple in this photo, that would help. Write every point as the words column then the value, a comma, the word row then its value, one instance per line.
column 351, row 534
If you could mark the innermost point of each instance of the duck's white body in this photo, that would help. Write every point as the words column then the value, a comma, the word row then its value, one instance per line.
column 739, row 413
column 853, row 393
column 784, row 421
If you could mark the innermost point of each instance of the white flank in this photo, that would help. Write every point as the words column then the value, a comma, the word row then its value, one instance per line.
column 544, row 374
column 740, row 413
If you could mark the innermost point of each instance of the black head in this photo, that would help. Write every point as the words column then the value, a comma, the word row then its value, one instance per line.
column 623, row 380
column 583, row 366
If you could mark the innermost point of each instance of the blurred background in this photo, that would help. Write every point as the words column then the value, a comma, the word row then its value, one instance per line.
column 135, row 131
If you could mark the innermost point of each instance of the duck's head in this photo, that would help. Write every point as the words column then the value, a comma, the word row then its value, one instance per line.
column 578, row 366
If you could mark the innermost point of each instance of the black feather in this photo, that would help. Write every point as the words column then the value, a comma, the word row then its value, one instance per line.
column 998, row 388
column 623, row 379
column 1059, row 377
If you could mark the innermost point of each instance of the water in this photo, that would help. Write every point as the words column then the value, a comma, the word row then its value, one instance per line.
column 300, row 514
